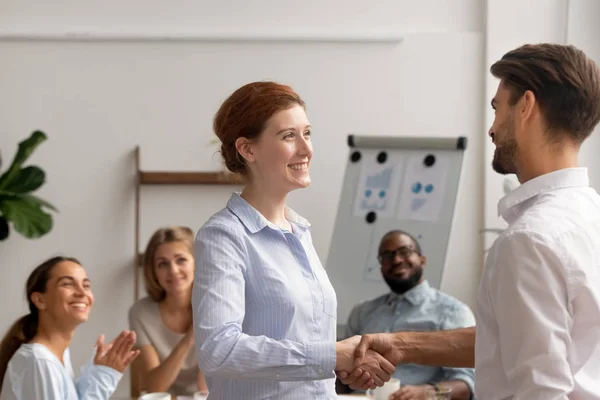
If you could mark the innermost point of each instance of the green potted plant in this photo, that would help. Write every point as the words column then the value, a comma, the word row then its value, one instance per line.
column 18, row 206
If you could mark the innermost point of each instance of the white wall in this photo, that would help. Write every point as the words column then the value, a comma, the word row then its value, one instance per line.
column 511, row 23
column 239, row 16
column 584, row 32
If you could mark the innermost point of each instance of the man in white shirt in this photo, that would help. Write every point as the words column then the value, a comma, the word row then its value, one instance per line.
column 538, row 307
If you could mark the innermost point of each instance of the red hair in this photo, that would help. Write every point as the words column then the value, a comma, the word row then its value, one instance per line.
column 245, row 113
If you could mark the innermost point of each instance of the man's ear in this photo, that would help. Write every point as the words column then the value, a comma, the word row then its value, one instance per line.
column 244, row 148
column 527, row 105
column 423, row 261
column 38, row 299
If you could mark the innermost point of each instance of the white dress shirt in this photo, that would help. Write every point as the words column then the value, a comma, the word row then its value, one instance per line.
column 538, row 309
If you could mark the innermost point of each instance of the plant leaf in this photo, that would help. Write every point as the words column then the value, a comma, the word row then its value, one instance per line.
column 28, row 218
column 26, row 147
column 4, row 229
column 26, row 180
column 36, row 200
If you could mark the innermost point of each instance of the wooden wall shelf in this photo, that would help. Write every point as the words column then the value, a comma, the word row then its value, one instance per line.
column 187, row 178
column 167, row 178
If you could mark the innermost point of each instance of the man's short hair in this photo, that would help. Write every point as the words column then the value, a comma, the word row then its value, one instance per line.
column 400, row 232
column 565, row 82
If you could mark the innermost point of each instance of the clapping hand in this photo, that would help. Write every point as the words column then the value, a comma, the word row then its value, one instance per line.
column 117, row 354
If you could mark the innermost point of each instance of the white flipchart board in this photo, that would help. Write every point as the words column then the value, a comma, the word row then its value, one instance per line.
column 406, row 183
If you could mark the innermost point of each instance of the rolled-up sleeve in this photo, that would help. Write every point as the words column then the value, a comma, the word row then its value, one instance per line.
column 218, row 303
column 460, row 317
column 136, row 325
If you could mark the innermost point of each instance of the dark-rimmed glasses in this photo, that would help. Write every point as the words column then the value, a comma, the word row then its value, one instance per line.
column 388, row 256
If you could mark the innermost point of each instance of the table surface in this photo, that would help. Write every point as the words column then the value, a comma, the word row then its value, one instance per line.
column 340, row 396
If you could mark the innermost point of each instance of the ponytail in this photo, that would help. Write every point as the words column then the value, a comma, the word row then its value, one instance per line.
column 22, row 331
column 26, row 327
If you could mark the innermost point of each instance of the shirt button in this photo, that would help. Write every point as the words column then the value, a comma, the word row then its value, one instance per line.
column 320, row 370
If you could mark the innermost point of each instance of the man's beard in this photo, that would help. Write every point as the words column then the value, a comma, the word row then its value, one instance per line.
column 504, row 158
column 506, row 152
column 401, row 286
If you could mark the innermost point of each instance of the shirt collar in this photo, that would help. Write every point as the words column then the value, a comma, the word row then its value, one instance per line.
column 254, row 221
column 414, row 296
column 511, row 204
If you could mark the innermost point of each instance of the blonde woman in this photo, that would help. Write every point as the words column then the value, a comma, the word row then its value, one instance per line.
column 163, row 319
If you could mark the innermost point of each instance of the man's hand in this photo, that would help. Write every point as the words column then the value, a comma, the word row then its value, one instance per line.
column 382, row 343
column 373, row 370
column 419, row 392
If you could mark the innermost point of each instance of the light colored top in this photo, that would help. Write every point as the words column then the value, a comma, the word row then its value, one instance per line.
column 264, row 309
column 34, row 372
column 145, row 320
column 538, row 309
column 422, row 308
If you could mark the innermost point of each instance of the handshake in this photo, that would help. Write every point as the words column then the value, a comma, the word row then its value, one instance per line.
column 365, row 362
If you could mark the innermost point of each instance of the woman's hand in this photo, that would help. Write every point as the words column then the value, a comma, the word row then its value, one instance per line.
column 117, row 354
column 373, row 370
column 187, row 341
column 189, row 335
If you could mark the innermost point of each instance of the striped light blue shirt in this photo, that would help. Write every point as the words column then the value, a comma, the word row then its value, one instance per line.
column 264, row 309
